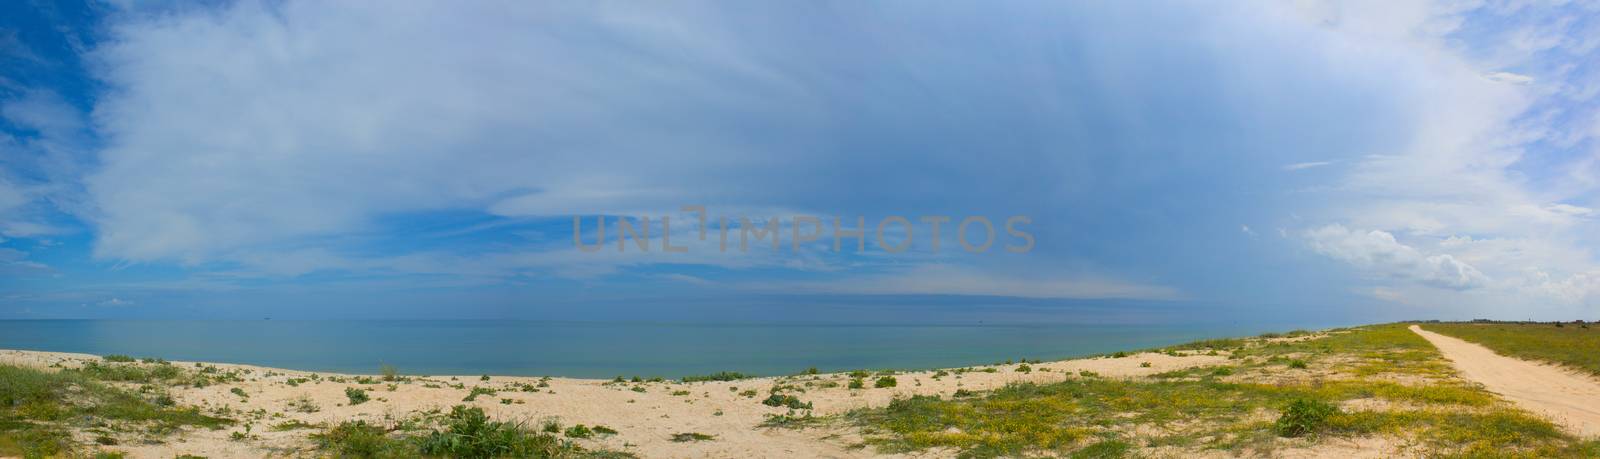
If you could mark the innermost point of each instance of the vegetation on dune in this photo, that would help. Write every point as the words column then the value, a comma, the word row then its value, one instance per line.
column 1575, row 345
column 390, row 373
column 356, row 396
column 465, row 432
column 1253, row 406
column 1271, row 394
column 787, row 401
column 153, row 371
column 38, row 408
column 691, row 437
column 718, row 376
column 1304, row 416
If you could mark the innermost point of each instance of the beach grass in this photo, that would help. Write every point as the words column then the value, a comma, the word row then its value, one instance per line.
column 1256, row 407
column 718, row 376
column 463, row 432
column 1576, row 345
column 38, row 408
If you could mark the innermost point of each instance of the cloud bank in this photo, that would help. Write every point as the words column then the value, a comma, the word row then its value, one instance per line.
column 1435, row 153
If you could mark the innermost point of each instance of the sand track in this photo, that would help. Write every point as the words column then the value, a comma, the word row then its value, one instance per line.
column 1567, row 397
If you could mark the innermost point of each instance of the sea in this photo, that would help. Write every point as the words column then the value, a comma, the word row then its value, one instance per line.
column 596, row 349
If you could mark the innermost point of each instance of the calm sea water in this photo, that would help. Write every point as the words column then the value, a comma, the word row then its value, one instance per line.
column 590, row 349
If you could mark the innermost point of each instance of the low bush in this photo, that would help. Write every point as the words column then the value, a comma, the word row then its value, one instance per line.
column 1304, row 416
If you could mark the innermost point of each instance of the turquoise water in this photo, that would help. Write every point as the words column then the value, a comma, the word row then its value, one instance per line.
column 591, row 349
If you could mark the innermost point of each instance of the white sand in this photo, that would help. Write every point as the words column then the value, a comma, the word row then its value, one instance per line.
column 645, row 421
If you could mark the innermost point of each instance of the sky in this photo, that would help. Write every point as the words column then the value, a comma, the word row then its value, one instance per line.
column 1306, row 161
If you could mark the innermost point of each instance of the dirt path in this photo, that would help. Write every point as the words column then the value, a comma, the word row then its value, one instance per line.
column 1569, row 398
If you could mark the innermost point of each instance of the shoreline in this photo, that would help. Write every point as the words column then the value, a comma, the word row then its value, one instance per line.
column 603, row 352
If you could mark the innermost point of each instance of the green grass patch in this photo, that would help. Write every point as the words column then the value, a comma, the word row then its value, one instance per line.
column 1573, row 345
column 463, row 432
column 1211, row 408
column 38, row 407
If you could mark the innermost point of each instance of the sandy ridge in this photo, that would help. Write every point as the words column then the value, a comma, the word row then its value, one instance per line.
column 1567, row 397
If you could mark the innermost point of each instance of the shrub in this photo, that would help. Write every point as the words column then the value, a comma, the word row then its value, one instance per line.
column 579, row 431
column 886, row 381
column 690, row 436
column 1304, row 416
column 789, row 421
column 303, row 404
column 356, row 396
column 476, row 391
column 360, row 439
column 470, row 433
column 789, row 401
column 118, row 358
column 856, row 383
column 1297, row 363
column 467, row 433
column 718, row 376
column 390, row 373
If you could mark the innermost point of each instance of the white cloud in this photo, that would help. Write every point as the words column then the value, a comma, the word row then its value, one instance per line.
column 116, row 302
column 18, row 219
column 1508, row 77
column 44, row 112
column 939, row 279
column 39, row 166
column 15, row 262
column 1306, row 165
column 1486, row 153
column 316, row 119
column 1379, row 252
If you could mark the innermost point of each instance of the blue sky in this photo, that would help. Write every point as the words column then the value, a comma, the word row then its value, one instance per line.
column 1328, row 162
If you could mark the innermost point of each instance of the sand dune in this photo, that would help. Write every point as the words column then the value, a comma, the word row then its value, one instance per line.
column 645, row 421
column 1569, row 398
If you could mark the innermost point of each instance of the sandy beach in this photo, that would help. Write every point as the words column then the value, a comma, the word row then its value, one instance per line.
column 1389, row 390
column 645, row 415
